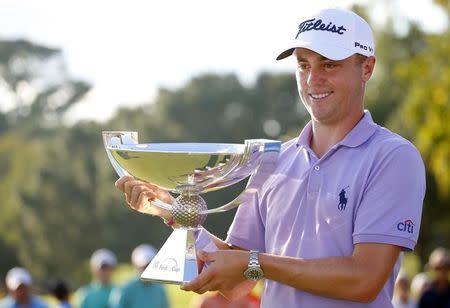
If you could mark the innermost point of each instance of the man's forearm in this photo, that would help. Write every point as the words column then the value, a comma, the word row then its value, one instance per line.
column 241, row 289
column 221, row 244
column 358, row 277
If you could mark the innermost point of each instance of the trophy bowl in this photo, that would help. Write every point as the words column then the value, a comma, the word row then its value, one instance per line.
column 189, row 170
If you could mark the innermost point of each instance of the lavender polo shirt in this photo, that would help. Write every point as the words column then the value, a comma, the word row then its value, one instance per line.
column 368, row 188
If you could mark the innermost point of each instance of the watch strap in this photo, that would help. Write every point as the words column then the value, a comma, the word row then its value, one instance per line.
column 253, row 258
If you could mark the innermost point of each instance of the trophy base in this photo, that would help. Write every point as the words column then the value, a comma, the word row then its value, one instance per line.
column 173, row 265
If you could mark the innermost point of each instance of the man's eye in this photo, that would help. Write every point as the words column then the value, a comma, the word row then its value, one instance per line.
column 302, row 66
column 330, row 65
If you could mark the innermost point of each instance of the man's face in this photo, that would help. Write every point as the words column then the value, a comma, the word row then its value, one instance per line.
column 21, row 294
column 104, row 274
column 441, row 271
column 332, row 91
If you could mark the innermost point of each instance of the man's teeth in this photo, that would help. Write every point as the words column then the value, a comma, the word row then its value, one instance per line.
column 320, row 95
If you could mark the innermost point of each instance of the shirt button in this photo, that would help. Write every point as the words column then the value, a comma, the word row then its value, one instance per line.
column 317, row 168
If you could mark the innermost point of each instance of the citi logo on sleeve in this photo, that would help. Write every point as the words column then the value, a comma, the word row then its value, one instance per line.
column 319, row 25
column 406, row 226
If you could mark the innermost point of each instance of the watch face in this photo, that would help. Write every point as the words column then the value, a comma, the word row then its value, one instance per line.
column 254, row 273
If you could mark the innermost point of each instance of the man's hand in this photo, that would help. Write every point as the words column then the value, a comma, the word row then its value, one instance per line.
column 225, row 271
column 139, row 194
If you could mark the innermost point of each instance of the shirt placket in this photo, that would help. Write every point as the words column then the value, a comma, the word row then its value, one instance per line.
column 314, row 176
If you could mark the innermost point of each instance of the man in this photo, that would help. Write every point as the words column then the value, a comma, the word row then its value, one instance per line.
column 135, row 293
column 96, row 294
column 402, row 297
column 420, row 283
column 217, row 300
column 438, row 295
column 18, row 282
column 328, row 226
column 60, row 291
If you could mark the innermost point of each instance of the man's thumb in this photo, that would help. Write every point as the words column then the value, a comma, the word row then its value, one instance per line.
column 205, row 256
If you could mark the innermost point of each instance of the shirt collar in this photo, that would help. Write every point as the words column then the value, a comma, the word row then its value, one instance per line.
column 305, row 136
column 363, row 130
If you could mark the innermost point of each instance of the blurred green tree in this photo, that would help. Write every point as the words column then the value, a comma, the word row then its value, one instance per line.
column 424, row 116
column 36, row 88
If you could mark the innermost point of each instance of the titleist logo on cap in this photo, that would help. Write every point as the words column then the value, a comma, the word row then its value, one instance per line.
column 313, row 24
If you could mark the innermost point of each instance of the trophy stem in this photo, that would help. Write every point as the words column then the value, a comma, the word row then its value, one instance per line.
column 171, row 264
column 188, row 209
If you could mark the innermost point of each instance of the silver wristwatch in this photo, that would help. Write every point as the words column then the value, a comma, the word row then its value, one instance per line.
column 253, row 271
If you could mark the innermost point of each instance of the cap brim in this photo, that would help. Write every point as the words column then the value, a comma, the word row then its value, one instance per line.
column 16, row 284
column 286, row 53
column 328, row 51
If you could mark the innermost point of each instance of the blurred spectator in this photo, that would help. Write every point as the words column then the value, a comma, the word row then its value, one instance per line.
column 401, row 298
column 217, row 300
column 18, row 283
column 138, row 294
column 60, row 291
column 419, row 284
column 96, row 294
column 438, row 295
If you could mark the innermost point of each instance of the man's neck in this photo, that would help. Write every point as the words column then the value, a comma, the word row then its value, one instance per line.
column 442, row 284
column 23, row 301
column 325, row 136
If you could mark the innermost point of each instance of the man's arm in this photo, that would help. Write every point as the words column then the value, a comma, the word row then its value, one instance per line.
column 358, row 277
column 238, row 290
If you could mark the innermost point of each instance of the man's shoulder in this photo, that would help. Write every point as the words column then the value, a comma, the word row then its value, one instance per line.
column 38, row 303
column 83, row 289
column 6, row 302
column 429, row 297
column 131, row 284
column 288, row 146
column 385, row 136
column 390, row 150
column 387, row 141
column 136, row 289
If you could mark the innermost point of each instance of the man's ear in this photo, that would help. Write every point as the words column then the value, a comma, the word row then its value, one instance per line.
column 367, row 68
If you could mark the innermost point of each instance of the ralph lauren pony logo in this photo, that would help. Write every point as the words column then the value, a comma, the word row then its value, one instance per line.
column 313, row 24
column 342, row 199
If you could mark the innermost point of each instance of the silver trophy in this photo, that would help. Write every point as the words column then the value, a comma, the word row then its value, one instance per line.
column 189, row 170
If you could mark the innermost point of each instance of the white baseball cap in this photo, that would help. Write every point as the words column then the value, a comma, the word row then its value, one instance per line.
column 17, row 276
column 103, row 257
column 142, row 255
column 334, row 33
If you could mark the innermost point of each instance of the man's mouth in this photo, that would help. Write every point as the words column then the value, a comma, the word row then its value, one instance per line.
column 320, row 95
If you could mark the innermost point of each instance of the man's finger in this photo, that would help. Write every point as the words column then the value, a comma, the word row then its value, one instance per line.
column 135, row 193
column 206, row 256
column 207, row 287
column 200, row 265
column 128, row 187
column 198, row 282
column 121, row 181
column 142, row 204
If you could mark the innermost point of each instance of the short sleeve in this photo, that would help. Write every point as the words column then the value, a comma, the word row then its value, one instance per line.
column 247, row 229
column 80, row 297
column 116, row 299
column 391, row 206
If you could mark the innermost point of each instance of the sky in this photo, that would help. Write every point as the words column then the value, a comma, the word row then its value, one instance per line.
column 129, row 49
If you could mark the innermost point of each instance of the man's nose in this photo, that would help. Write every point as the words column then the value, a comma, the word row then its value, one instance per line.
column 315, row 76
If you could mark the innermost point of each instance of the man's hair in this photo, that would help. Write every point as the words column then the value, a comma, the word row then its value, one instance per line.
column 59, row 289
column 360, row 58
